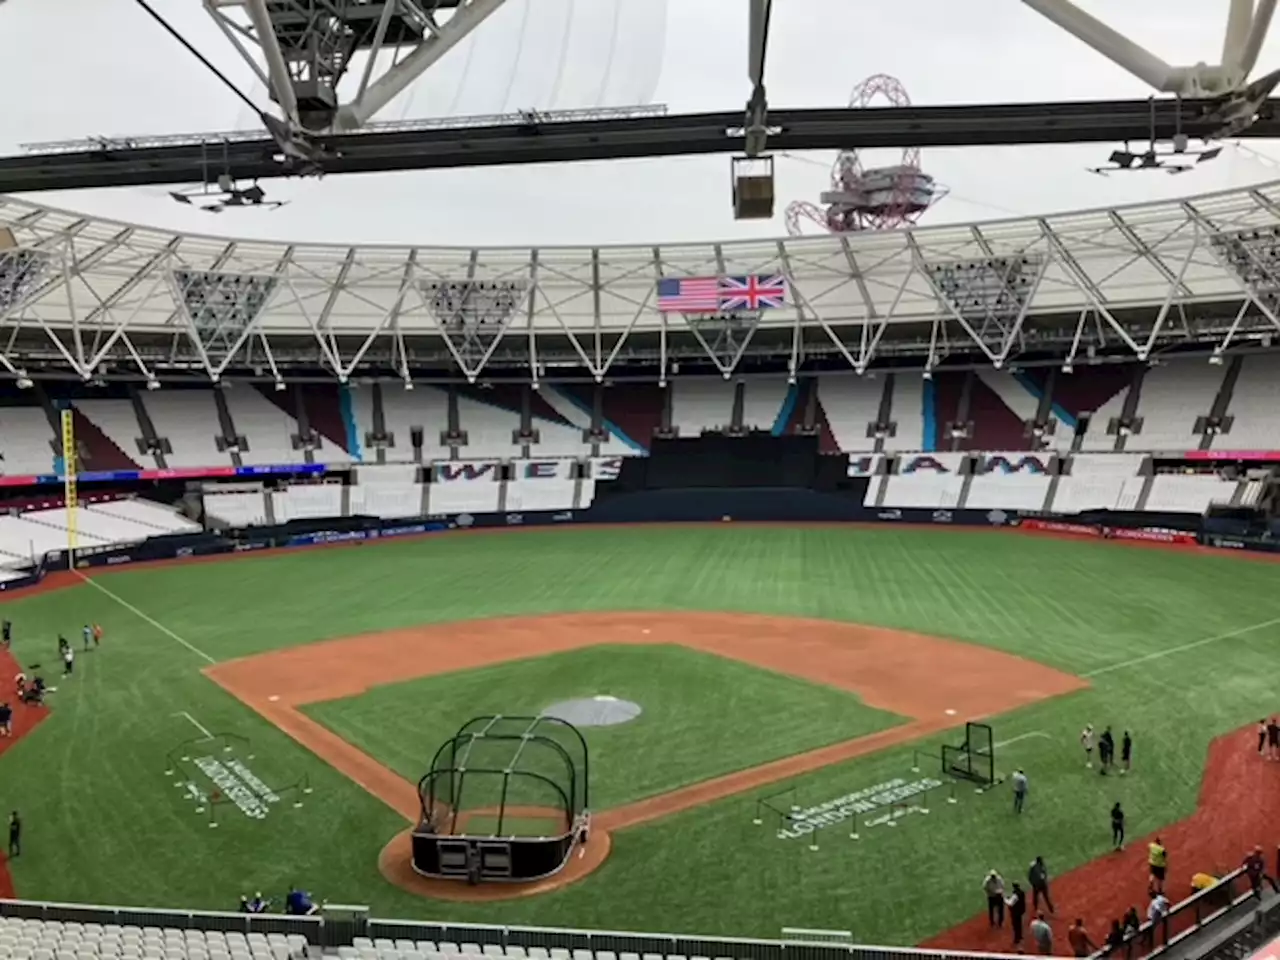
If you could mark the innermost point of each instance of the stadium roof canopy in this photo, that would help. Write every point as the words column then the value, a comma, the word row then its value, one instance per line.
column 90, row 298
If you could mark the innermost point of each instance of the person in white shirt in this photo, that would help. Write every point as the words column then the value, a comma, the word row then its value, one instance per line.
column 1086, row 741
column 1019, row 791
column 993, row 887
column 68, row 660
column 1158, row 908
column 1042, row 935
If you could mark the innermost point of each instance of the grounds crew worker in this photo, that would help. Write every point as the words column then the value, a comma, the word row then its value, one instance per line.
column 1158, row 863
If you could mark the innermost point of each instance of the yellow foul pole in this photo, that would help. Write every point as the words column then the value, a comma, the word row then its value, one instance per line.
column 69, row 470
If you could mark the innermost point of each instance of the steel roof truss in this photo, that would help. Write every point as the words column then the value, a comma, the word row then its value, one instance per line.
column 63, row 240
column 1231, row 331
column 793, row 365
column 1148, row 253
column 1086, row 286
column 597, row 367
column 327, row 350
column 596, row 322
column 121, row 324
column 944, row 301
column 1264, row 300
column 390, row 316
column 1175, row 285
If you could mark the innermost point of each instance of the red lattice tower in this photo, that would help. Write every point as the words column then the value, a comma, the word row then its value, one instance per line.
column 870, row 198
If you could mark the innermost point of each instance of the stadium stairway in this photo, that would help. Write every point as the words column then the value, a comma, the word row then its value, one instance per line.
column 98, row 451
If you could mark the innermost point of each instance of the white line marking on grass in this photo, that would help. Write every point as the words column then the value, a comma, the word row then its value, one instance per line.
column 1161, row 654
column 195, row 723
column 1023, row 736
column 142, row 616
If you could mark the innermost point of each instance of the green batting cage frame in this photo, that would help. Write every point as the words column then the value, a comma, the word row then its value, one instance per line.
column 975, row 759
column 506, row 798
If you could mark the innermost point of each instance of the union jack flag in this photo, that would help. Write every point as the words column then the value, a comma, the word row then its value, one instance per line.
column 721, row 294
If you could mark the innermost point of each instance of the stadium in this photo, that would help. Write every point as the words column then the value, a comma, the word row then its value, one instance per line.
column 673, row 601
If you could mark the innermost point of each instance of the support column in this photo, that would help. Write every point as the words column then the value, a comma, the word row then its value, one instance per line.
column 1130, row 409
column 962, row 414
column 885, row 413
column 735, row 413
column 810, row 421
column 1218, row 412
column 379, row 422
column 151, row 444
column 304, row 423
column 230, row 439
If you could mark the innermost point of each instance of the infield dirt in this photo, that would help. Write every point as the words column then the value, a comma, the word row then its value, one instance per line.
column 936, row 683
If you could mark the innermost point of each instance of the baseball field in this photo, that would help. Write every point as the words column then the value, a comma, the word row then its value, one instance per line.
column 254, row 723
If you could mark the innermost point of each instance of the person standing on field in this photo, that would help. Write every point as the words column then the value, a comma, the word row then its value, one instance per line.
column 1106, row 751
column 1117, row 826
column 1126, row 754
column 1042, row 934
column 1019, row 791
column 1158, row 863
column 15, row 835
column 1078, row 938
column 1086, row 742
column 1017, row 903
column 1255, row 868
column 993, row 887
column 1038, row 878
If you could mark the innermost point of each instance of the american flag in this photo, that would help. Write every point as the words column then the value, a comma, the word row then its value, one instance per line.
column 721, row 294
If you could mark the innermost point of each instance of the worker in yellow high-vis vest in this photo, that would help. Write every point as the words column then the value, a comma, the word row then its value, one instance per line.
column 1158, row 862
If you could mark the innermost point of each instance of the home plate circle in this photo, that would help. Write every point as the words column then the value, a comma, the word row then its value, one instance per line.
column 598, row 711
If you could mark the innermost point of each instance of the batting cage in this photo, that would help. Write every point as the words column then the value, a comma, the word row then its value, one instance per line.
column 975, row 759
column 506, row 798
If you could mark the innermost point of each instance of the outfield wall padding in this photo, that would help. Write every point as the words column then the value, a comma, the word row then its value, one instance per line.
column 775, row 504
column 779, row 505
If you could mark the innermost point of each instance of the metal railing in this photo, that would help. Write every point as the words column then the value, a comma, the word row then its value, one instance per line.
column 1263, row 926
column 339, row 925
column 309, row 927
column 1184, row 919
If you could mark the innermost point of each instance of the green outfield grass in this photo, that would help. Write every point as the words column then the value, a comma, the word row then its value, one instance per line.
column 103, row 823
column 703, row 715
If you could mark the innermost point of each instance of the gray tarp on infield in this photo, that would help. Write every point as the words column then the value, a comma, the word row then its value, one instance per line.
column 599, row 711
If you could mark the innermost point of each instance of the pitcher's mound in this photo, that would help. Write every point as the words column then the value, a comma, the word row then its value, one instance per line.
column 395, row 863
column 598, row 711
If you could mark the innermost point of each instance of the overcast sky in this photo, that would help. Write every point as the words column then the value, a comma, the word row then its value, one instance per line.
column 102, row 67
